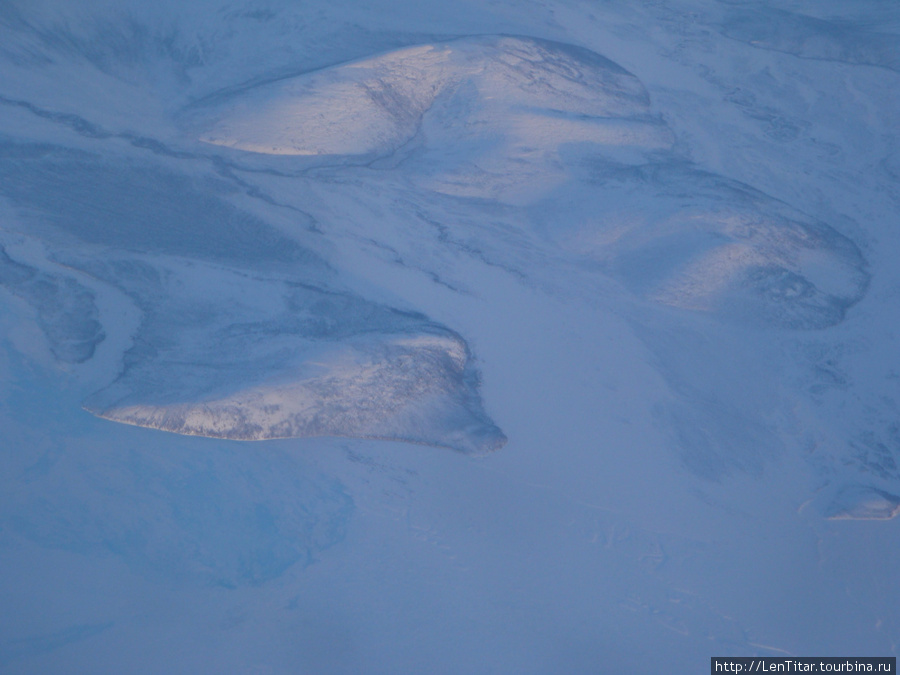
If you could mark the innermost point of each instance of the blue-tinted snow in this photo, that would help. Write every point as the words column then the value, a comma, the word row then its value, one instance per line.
column 66, row 311
column 251, row 358
column 654, row 243
column 226, row 353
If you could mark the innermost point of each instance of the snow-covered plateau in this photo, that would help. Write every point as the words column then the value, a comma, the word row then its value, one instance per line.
column 547, row 336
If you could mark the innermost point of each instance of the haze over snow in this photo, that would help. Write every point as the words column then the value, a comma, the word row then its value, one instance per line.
column 567, row 333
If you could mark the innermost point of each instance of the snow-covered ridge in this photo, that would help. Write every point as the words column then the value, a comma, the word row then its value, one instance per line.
column 407, row 388
column 226, row 356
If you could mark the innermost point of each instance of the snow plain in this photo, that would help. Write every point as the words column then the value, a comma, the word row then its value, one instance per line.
column 566, row 334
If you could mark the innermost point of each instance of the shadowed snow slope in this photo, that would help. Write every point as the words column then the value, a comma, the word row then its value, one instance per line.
column 812, row 38
column 708, row 244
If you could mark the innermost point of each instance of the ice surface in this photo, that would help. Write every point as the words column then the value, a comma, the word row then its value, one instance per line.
column 212, row 521
column 140, row 208
column 66, row 311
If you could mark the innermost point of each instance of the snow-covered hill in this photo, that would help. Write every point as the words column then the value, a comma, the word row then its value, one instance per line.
column 566, row 332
